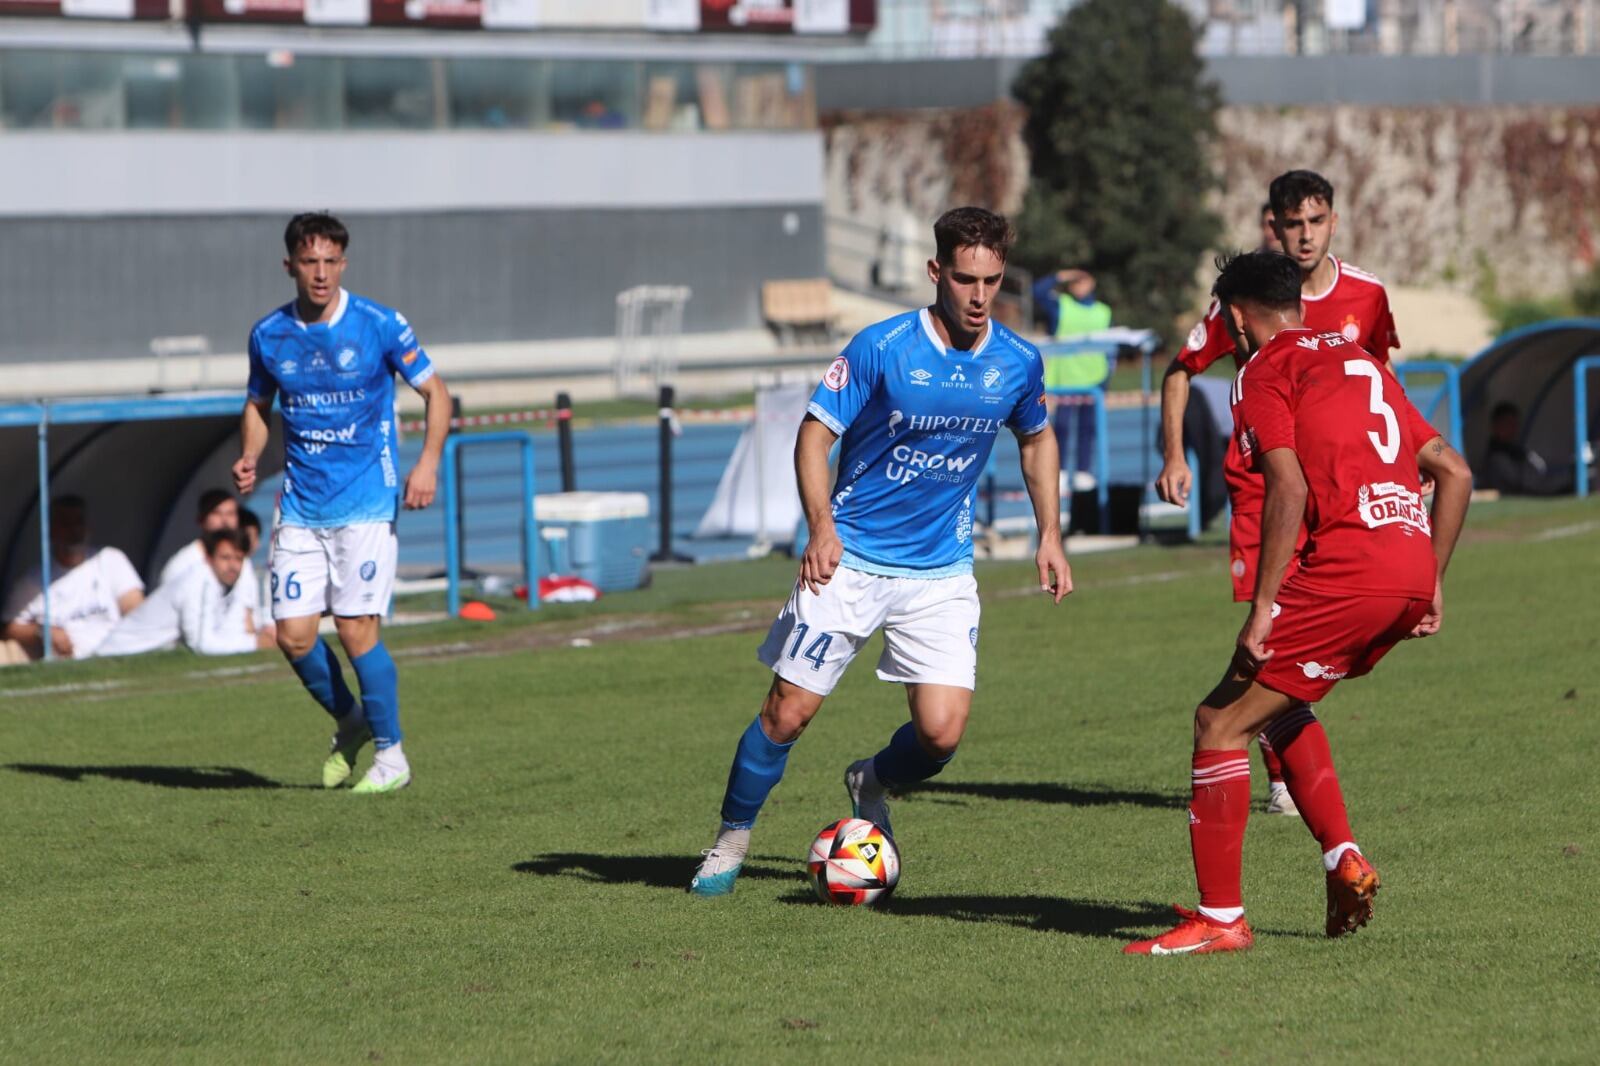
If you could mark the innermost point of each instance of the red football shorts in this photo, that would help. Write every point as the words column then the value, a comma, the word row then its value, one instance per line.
column 1318, row 639
column 1244, row 548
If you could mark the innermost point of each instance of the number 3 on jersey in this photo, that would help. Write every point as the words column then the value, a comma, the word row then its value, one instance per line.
column 1388, row 445
column 816, row 651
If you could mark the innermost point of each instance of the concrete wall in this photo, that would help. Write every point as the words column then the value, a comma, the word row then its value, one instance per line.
column 109, row 241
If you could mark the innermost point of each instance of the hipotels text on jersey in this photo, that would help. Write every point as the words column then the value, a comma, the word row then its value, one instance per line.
column 333, row 398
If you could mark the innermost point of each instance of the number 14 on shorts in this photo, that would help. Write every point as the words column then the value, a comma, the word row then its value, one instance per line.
column 816, row 651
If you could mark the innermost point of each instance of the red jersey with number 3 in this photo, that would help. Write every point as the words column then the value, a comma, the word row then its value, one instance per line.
column 1357, row 437
column 1355, row 306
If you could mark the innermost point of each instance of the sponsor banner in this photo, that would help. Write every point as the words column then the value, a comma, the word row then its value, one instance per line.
column 253, row 10
column 459, row 13
column 789, row 16
column 89, row 9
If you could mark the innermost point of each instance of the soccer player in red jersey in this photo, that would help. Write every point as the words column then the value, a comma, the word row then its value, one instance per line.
column 1337, row 298
column 1338, row 447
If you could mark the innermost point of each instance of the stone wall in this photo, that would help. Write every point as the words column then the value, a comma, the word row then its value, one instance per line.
column 1427, row 196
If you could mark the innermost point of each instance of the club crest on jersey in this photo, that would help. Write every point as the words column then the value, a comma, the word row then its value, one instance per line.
column 920, row 376
column 1387, row 503
column 1197, row 336
column 993, row 380
column 1351, row 330
column 838, row 375
column 346, row 358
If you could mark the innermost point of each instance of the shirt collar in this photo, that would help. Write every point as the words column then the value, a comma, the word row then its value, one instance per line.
column 933, row 335
column 338, row 311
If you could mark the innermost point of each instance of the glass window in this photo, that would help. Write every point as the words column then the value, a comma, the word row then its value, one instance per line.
column 497, row 93
column 180, row 92
column 594, row 96
column 61, row 90
column 392, row 93
column 282, row 91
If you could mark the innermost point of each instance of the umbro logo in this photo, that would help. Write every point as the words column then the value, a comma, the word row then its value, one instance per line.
column 920, row 376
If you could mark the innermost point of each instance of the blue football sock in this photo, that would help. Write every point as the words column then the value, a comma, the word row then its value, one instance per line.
column 380, row 695
column 903, row 762
column 757, row 767
column 320, row 673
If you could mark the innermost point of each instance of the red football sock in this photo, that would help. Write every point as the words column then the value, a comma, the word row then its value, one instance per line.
column 1217, row 815
column 1302, row 744
column 1270, row 757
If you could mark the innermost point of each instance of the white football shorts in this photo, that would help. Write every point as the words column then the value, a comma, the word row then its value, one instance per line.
column 930, row 630
column 347, row 571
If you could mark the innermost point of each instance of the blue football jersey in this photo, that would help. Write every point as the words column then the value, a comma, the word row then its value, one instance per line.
column 917, row 422
column 335, row 385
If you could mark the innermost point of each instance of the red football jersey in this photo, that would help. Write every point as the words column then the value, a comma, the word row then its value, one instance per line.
column 1354, row 306
column 1357, row 438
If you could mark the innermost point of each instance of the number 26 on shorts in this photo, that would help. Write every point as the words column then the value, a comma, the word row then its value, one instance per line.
column 816, row 652
column 291, row 587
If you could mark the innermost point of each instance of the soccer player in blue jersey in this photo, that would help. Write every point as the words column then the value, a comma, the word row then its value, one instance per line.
column 918, row 400
column 330, row 358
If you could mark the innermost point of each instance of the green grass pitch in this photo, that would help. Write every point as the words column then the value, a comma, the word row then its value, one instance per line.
column 172, row 889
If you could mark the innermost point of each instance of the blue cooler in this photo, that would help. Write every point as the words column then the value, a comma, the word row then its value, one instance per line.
column 602, row 537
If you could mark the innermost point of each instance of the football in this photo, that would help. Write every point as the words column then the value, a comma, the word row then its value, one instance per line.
column 853, row 862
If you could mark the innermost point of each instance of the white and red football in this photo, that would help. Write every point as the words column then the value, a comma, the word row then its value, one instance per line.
column 853, row 862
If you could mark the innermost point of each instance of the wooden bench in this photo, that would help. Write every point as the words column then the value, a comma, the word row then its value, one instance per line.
column 801, row 307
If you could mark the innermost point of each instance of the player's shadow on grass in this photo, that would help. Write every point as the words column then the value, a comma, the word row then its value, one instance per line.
column 1046, row 914
column 657, row 871
column 221, row 778
column 1045, row 792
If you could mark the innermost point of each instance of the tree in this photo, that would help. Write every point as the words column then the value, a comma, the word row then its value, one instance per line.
column 1120, row 122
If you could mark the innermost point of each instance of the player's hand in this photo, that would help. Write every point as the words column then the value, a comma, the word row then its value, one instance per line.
column 1174, row 481
column 60, row 642
column 244, row 475
column 1434, row 618
column 1253, row 637
column 421, row 485
column 1055, row 575
column 820, row 560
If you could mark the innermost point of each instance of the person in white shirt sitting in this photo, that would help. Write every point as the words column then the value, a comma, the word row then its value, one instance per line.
column 90, row 590
column 218, row 510
column 207, row 610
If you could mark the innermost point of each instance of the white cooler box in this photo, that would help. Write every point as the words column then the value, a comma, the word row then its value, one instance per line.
column 602, row 537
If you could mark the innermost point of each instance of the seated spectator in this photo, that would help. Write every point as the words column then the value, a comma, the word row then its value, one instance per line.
column 218, row 510
column 250, row 524
column 90, row 590
column 1512, row 467
column 206, row 610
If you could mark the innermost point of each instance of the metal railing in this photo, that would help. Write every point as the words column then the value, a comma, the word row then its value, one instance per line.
column 1450, row 395
column 451, row 489
column 1580, row 419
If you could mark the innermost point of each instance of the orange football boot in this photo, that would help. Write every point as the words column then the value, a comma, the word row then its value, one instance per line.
column 1351, row 885
column 1195, row 936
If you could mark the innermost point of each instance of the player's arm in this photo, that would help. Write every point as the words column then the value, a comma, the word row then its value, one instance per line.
column 824, row 549
column 1281, row 518
column 1173, row 484
column 423, row 480
column 1041, row 473
column 1451, row 494
column 254, row 432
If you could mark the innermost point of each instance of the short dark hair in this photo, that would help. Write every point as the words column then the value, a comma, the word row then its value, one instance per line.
column 1503, row 408
column 69, row 499
column 1268, row 279
column 248, row 519
column 1289, row 191
column 303, row 227
column 1266, row 207
column 972, row 227
column 216, row 538
column 210, row 500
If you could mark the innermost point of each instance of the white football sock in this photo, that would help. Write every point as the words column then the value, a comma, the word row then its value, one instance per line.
column 392, row 760
column 1276, row 788
column 1330, row 858
column 1222, row 915
column 732, row 843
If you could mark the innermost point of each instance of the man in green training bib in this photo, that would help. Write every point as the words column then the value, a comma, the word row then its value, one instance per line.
column 1071, row 307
